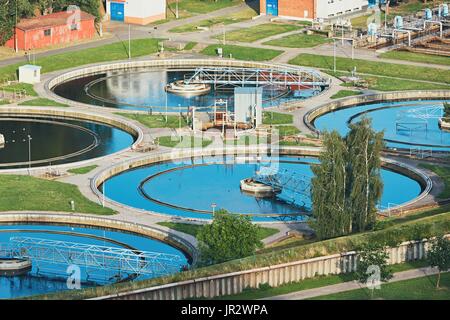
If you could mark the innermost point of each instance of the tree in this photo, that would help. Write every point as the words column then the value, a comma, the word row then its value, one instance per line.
column 228, row 237
column 347, row 183
column 439, row 256
column 27, row 8
column 332, row 218
column 372, row 267
column 364, row 180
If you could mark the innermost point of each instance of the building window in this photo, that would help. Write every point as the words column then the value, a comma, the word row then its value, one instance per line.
column 47, row 32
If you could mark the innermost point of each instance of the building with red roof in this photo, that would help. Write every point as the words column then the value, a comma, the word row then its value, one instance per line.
column 52, row 29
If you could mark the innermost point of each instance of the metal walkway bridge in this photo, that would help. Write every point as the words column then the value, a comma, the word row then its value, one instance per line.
column 416, row 119
column 232, row 76
column 299, row 185
column 91, row 256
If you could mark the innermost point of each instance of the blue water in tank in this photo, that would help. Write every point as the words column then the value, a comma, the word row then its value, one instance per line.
column 445, row 10
column 428, row 14
column 398, row 22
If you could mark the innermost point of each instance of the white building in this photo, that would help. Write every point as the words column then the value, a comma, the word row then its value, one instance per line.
column 136, row 11
column 29, row 74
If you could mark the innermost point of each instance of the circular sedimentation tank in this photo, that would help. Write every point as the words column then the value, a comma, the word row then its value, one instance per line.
column 188, row 187
column 46, row 277
column 41, row 141
column 162, row 85
column 406, row 124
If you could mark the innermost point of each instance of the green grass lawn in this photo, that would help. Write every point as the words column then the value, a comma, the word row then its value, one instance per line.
column 417, row 57
column 110, row 52
column 345, row 93
column 311, row 283
column 243, row 53
column 83, row 170
column 25, row 193
column 277, row 118
column 3, row 102
column 186, row 142
column 296, row 144
column 381, row 83
column 423, row 288
column 444, row 174
column 240, row 16
column 27, row 88
column 299, row 41
column 258, row 32
column 373, row 68
column 203, row 6
column 247, row 140
column 42, row 102
column 194, row 229
column 287, row 130
column 190, row 45
column 156, row 121
column 188, row 8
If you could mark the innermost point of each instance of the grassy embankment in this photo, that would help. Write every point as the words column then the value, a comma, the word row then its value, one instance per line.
column 242, row 53
column 381, row 76
column 240, row 16
column 194, row 229
column 259, row 32
column 110, row 52
column 25, row 193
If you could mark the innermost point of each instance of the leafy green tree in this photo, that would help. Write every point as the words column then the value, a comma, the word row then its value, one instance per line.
column 27, row 8
column 332, row 218
column 228, row 237
column 372, row 267
column 439, row 256
column 8, row 16
column 364, row 180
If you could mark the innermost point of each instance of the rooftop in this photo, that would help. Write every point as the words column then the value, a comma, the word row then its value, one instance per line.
column 50, row 20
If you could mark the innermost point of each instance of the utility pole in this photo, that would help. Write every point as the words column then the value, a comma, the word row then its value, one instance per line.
column 29, row 155
column 129, row 41
column 16, row 44
column 224, row 35
column 334, row 55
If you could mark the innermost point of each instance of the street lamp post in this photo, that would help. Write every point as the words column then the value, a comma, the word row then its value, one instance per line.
column 29, row 154
column 334, row 55
column 179, row 121
column 16, row 43
column 129, row 41
column 213, row 206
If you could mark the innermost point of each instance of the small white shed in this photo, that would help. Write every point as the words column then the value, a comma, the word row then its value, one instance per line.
column 29, row 74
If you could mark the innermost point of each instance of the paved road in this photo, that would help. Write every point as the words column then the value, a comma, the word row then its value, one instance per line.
column 352, row 285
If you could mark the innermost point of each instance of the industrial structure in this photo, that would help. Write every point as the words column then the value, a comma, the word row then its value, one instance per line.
column 52, row 29
column 311, row 9
column 44, row 252
column 140, row 12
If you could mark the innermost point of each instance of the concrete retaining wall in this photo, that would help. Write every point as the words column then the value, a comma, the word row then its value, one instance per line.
column 371, row 99
column 277, row 275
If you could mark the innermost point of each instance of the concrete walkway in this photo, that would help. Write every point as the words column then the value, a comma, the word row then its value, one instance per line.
column 351, row 285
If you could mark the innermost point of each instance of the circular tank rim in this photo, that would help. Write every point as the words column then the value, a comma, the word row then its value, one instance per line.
column 115, row 169
column 368, row 99
column 110, row 120
column 166, row 64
